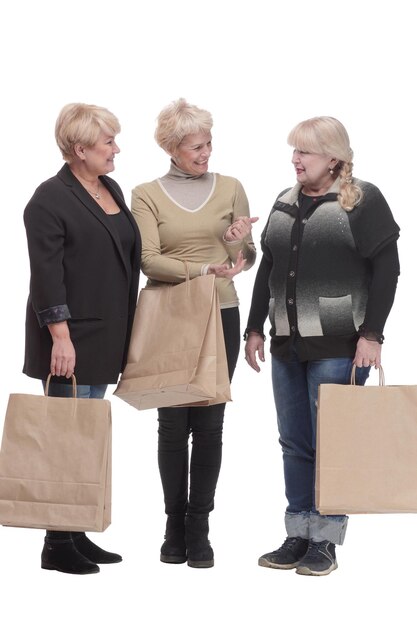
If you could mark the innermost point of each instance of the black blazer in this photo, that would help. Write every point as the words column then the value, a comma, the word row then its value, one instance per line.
column 79, row 273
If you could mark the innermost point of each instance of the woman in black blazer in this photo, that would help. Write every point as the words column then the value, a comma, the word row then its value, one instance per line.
column 84, row 249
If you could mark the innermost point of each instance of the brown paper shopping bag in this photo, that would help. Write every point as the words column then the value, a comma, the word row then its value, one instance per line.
column 366, row 449
column 176, row 354
column 55, row 463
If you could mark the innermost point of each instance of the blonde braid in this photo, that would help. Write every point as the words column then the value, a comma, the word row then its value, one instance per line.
column 350, row 194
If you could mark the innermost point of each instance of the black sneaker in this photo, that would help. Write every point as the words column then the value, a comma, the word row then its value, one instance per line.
column 319, row 560
column 287, row 556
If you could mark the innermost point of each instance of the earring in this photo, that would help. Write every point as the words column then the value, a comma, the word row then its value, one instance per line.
column 331, row 172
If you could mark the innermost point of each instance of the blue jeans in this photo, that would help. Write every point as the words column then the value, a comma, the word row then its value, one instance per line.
column 62, row 390
column 295, row 385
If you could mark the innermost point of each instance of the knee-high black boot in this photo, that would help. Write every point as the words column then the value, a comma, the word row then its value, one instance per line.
column 93, row 552
column 59, row 553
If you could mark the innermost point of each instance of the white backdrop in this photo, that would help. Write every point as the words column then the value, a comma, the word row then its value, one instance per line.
column 259, row 67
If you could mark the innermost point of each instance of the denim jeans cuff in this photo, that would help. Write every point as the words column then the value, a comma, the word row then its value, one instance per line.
column 328, row 528
column 298, row 524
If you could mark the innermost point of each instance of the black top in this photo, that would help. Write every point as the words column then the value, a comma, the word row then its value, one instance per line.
column 126, row 237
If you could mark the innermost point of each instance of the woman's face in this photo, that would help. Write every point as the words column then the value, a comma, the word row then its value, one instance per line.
column 99, row 159
column 193, row 153
column 312, row 170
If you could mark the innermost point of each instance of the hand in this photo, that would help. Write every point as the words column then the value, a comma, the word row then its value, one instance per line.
column 224, row 271
column 240, row 228
column 254, row 344
column 63, row 351
column 368, row 353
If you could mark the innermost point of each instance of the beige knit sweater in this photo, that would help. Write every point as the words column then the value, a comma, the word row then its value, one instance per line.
column 172, row 233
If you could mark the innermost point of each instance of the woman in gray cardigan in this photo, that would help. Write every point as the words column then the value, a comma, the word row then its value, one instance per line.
column 327, row 277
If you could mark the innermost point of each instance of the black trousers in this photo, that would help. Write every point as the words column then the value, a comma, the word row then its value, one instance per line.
column 205, row 424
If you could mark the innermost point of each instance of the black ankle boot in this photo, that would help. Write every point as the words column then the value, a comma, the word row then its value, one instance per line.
column 93, row 552
column 173, row 549
column 199, row 550
column 59, row 553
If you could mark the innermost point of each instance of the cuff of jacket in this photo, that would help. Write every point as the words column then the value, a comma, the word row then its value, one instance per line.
column 253, row 330
column 371, row 335
column 53, row 315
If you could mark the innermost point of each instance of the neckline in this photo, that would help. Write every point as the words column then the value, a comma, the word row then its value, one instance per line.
column 314, row 198
column 160, row 183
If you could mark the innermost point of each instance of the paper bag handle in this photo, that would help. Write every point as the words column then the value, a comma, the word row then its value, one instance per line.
column 187, row 277
column 74, row 385
column 187, row 270
column 381, row 376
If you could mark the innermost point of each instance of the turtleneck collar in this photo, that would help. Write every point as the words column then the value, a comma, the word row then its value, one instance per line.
column 175, row 173
column 187, row 190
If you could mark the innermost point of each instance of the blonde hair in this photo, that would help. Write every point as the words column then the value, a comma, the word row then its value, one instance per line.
column 327, row 136
column 177, row 120
column 82, row 123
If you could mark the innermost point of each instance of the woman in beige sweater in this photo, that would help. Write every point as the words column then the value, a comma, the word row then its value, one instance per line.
column 193, row 215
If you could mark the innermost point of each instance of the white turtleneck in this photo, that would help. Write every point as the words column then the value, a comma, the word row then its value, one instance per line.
column 187, row 190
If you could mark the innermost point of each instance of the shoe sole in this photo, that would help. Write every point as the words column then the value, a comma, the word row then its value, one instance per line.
column 306, row 571
column 265, row 563
column 200, row 564
column 164, row 558
column 64, row 571
column 103, row 562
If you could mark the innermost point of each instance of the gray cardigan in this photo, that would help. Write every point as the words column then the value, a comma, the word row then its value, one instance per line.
column 319, row 269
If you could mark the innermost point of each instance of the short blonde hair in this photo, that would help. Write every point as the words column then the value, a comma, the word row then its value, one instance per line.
column 82, row 123
column 327, row 136
column 177, row 120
